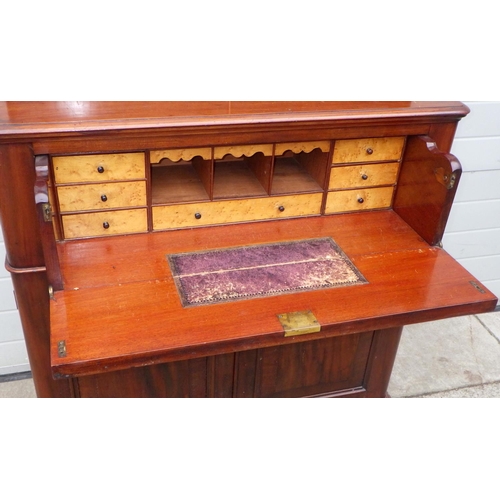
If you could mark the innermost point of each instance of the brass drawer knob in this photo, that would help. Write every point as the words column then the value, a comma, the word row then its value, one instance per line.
column 100, row 169
column 369, row 151
column 361, row 200
column 105, row 225
column 281, row 208
column 364, row 177
column 197, row 215
column 104, row 198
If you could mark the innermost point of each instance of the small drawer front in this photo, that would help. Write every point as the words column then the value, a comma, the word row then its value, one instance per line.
column 99, row 168
column 368, row 150
column 358, row 199
column 225, row 212
column 102, row 196
column 105, row 223
column 366, row 175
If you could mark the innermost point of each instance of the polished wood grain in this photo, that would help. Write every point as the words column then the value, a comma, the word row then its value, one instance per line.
column 425, row 283
column 70, row 117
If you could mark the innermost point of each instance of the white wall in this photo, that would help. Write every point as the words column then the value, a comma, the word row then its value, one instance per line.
column 472, row 235
column 473, row 232
column 13, row 356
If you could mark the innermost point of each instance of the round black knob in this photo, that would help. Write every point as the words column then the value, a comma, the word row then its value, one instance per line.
column 197, row 215
column 105, row 225
column 360, row 200
column 104, row 198
column 369, row 151
column 281, row 208
column 364, row 177
column 100, row 169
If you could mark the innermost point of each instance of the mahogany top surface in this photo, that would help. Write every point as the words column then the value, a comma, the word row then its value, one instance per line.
column 120, row 306
column 26, row 119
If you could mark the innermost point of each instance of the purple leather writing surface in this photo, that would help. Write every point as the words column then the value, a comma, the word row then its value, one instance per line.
column 261, row 270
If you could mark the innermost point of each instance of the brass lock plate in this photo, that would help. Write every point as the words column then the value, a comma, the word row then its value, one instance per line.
column 299, row 323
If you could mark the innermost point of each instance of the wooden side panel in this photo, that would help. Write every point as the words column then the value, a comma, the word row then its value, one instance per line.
column 427, row 185
column 45, row 219
column 24, row 250
column 382, row 355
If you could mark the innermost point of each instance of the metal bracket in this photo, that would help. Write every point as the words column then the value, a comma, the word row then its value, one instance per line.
column 299, row 323
column 61, row 348
column 477, row 287
column 47, row 212
column 447, row 180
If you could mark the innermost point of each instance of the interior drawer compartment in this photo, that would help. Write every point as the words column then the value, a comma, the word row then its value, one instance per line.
column 230, row 211
column 105, row 223
column 101, row 196
column 99, row 168
column 358, row 199
column 365, row 175
column 368, row 150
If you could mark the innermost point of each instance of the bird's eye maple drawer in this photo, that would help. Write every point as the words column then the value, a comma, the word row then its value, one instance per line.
column 98, row 168
column 101, row 196
column 359, row 199
column 84, row 225
column 368, row 150
column 229, row 211
column 366, row 175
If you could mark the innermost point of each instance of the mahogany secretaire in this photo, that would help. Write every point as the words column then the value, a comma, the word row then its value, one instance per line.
column 228, row 249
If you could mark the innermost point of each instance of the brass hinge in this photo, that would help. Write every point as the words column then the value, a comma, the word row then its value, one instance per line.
column 477, row 287
column 299, row 323
column 51, row 292
column 447, row 180
column 47, row 212
column 61, row 348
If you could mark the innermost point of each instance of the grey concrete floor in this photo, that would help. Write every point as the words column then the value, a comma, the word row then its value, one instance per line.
column 452, row 358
